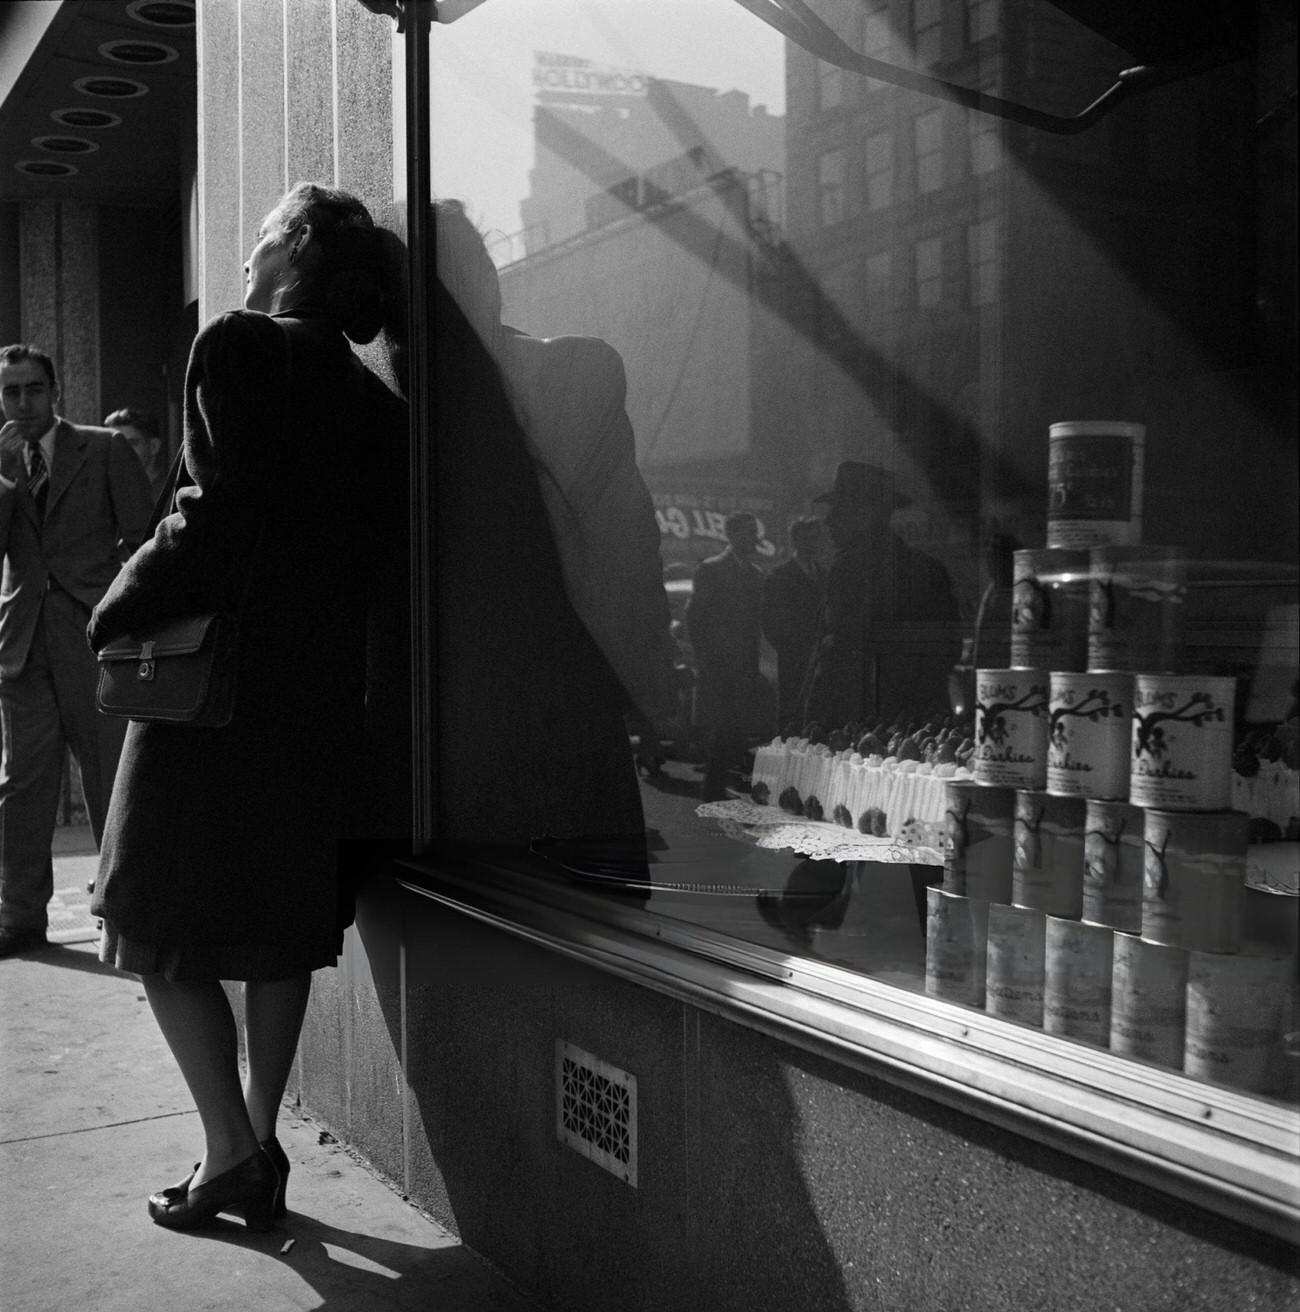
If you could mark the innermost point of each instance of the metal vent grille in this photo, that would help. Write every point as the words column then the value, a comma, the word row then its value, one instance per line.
column 595, row 1110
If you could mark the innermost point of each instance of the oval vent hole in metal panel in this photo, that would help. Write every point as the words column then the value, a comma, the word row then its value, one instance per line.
column 595, row 1110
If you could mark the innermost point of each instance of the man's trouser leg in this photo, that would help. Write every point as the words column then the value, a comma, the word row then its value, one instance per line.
column 95, row 739
column 31, row 777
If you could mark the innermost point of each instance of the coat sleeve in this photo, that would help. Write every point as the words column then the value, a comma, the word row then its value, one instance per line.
column 198, row 557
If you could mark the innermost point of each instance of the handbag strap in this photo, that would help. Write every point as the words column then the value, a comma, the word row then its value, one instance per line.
column 167, row 497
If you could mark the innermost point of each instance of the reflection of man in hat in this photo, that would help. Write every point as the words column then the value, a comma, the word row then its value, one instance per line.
column 876, row 580
column 733, row 701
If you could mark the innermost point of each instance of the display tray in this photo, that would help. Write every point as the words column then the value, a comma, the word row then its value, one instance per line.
column 1274, row 868
column 775, row 830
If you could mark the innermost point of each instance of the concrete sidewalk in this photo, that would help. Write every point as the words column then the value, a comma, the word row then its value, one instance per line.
column 94, row 1117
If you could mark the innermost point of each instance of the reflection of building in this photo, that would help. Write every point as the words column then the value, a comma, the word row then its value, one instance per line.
column 977, row 281
column 651, row 224
column 607, row 144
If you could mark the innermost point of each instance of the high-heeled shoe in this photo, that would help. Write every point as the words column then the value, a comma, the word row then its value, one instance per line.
column 280, row 1160
column 249, row 1187
column 165, row 1198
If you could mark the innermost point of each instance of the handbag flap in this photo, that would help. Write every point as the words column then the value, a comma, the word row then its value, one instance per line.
column 175, row 638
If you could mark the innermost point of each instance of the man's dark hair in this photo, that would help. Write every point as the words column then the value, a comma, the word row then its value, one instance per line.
column 129, row 418
column 19, row 352
column 739, row 518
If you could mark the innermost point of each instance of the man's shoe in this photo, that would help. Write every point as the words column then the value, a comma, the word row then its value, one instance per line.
column 13, row 942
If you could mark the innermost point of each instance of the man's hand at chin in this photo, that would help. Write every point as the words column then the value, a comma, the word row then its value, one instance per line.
column 11, row 451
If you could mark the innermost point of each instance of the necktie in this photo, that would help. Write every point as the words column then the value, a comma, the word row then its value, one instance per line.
column 38, row 477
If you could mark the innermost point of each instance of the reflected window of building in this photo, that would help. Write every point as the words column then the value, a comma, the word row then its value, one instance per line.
column 981, row 20
column 927, row 32
column 830, row 86
column 927, row 130
column 830, row 187
column 983, row 263
column 879, row 288
column 983, row 142
column 927, row 264
column 877, row 36
column 880, row 170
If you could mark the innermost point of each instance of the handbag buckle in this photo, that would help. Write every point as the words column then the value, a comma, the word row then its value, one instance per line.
column 145, row 670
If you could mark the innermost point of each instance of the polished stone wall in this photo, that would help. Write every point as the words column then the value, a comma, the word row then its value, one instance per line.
column 299, row 91
column 302, row 90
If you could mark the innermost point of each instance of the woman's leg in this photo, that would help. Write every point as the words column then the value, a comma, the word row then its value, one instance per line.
column 196, row 1020
column 273, row 1012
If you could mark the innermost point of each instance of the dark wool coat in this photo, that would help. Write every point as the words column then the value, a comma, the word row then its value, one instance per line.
column 223, row 842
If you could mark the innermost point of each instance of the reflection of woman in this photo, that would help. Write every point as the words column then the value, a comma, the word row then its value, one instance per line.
column 548, row 555
column 219, row 859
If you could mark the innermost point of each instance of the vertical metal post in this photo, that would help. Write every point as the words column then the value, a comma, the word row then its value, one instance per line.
column 419, row 17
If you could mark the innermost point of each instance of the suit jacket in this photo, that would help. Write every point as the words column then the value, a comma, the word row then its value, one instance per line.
column 792, row 605
column 96, row 513
column 725, row 622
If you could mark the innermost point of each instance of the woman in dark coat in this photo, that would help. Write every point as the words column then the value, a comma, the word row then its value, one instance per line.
column 219, row 860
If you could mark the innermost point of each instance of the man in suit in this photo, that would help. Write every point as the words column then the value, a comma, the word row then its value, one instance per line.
column 74, row 502
column 876, row 582
column 733, row 701
column 792, row 603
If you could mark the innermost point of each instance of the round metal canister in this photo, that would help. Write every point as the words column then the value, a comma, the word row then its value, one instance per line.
column 1050, row 609
column 1235, row 1017
column 1077, row 980
column 1181, row 757
column 1113, row 859
column 1089, row 735
column 978, row 840
column 1148, row 1003
column 1047, row 860
column 956, row 940
column 1094, row 483
column 1137, row 608
column 1014, row 968
column 1010, row 728
column 1193, row 879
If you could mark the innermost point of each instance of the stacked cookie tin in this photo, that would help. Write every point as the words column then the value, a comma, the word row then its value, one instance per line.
column 1094, row 872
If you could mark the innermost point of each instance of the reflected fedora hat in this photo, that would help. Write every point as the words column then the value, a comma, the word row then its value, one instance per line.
column 859, row 484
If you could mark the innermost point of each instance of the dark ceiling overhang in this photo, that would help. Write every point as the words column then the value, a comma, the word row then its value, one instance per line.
column 97, row 100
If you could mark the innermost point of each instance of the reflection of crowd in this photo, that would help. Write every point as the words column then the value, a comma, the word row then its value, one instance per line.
column 823, row 622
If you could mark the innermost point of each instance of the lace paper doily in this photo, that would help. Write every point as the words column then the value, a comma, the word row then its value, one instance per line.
column 776, row 830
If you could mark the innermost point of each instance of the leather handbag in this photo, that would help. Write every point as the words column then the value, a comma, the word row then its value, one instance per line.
column 179, row 672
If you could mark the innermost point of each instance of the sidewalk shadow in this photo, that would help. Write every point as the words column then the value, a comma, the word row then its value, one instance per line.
column 349, row 1270
column 67, row 957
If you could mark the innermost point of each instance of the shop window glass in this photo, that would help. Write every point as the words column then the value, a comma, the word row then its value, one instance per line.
column 781, row 344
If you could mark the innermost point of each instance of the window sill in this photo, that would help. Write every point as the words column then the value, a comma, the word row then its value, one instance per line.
column 1229, row 1152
